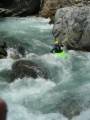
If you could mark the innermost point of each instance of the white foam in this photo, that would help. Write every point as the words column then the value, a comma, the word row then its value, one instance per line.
column 28, row 90
column 22, row 88
column 6, row 64
column 23, row 25
column 27, row 115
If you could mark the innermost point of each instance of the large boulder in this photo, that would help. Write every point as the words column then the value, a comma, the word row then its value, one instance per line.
column 19, row 7
column 72, row 27
column 49, row 7
column 3, row 110
column 26, row 68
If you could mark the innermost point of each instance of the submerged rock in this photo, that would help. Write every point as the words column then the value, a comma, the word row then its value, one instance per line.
column 3, row 110
column 72, row 27
column 70, row 107
column 26, row 68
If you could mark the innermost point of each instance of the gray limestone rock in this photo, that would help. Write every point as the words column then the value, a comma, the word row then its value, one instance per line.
column 72, row 27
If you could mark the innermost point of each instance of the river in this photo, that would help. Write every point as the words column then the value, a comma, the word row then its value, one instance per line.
column 65, row 95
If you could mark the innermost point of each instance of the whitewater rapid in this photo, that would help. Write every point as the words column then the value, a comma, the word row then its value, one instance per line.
column 57, row 98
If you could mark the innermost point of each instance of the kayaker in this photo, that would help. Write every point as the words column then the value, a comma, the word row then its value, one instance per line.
column 57, row 48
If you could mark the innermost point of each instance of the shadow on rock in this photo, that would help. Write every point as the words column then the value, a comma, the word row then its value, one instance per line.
column 3, row 52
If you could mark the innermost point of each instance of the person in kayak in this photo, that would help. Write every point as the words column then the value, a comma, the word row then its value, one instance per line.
column 57, row 48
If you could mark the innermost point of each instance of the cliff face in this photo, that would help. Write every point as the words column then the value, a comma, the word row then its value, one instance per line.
column 46, row 8
column 72, row 22
column 19, row 7
column 72, row 27
column 50, row 6
column 6, row 3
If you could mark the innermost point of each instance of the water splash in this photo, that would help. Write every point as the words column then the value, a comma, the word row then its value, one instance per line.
column 64, row 95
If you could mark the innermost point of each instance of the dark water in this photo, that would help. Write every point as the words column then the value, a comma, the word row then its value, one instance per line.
column 64, row 95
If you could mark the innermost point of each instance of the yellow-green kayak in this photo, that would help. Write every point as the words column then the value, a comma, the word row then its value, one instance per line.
column 62, row 54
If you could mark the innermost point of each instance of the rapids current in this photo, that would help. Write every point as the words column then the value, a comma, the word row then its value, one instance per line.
column 65, row 95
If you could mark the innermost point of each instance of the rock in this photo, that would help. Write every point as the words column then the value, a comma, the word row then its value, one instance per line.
column 26, row 68
column 3, row 110
column 16, row 53
column 50, row 6
column 70, row 107
column 19, row 7
column 3, row 52
column 47, row 8
column 13, row 53
column 21, row 50
column 5, row 3
column 72, row 27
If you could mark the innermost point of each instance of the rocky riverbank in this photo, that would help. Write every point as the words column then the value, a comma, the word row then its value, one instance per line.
column 72, row 27
column 71, row 18
column 19, row 7
column 50, row 6
column 71, row 22
column 45, row 8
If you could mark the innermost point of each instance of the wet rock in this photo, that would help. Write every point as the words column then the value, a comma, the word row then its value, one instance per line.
column 19, row 7
column 21, row 50
column 16, row 53
column 72, row 27
column 13, row 53
column 26, row 68
column 3, row 52
column 3, row 110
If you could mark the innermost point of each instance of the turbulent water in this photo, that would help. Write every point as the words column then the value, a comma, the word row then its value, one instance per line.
column 65, row 95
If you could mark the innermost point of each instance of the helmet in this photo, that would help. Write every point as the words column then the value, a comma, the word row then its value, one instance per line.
column 56, row 42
